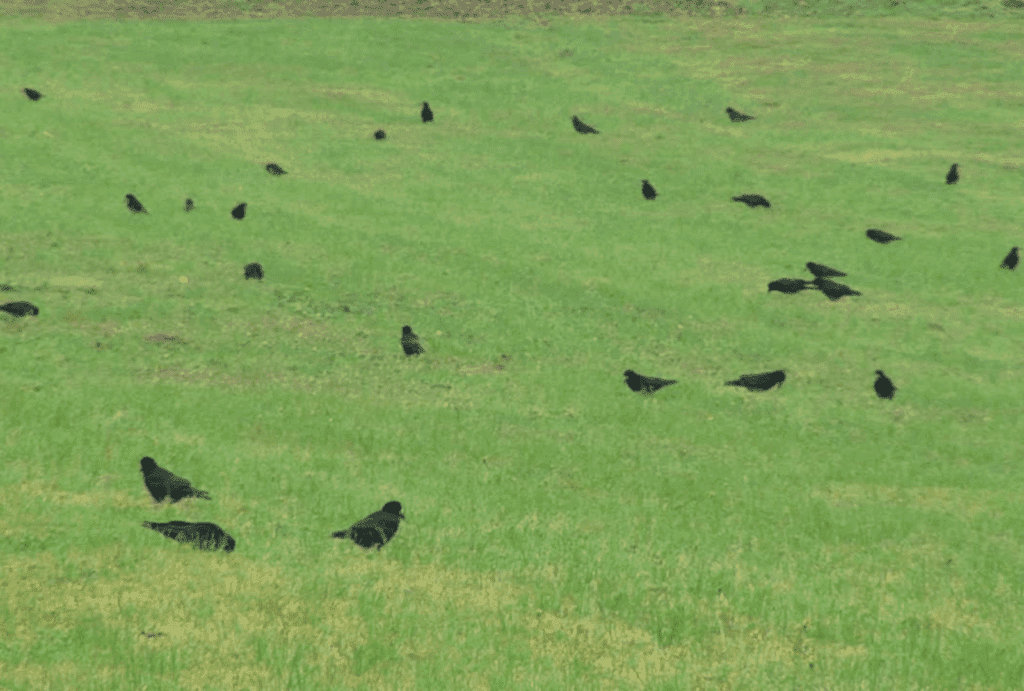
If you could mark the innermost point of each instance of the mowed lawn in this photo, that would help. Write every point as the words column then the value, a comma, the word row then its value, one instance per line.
column 561, row 532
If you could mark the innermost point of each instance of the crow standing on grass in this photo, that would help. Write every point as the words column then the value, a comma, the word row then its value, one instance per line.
column 426, row 113
column 380, row 134
column 832, row 290
column 645, row 385
column 822, row 271
column 884, row 386
column 254, row 270
column 134, row 205
column 753, row 200
column 790, row 285
column 411, row 342
column 952, row 176
column 582, row 127
column 238, row 213
column 189, row 205
column 20, row 309
column 881, row 236
column 275, row 169
column 1011, row 260
column 32, row 94
column 737, row 116
column 760, row 382
column 206, row 536
column 162, row 483
column 376, row 529
column 648, row 190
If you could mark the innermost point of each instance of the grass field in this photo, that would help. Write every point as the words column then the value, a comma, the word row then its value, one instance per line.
column 562, row 532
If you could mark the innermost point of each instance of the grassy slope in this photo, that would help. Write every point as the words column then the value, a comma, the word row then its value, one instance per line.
column 561, row 531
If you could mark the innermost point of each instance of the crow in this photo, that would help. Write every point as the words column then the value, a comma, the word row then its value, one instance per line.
column 379, row 134
column 645, row 385
column 427, row 114
column 411, row 342
column 254, row 270
column 239, row 211
column 737, row 116
column 20, row 309
column 822, row 271
column 376, row 529
column 881, row 236
column 833, row 291
column 582, row 127
column 207, row 536
column 275, row 169
column 162, row 483
column 760, row 382
column 189, row 205
column 790, row 285
column 753, row 200
column 134, row 205
column 32, row 94
column 648, row 190
column 884, row 386
column 1011, row 260
column 952, row 176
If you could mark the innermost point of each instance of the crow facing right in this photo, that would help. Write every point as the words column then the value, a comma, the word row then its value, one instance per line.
column 162, row 483
column 1011, row 260
column 737, row 116
column 760, row 382
column 411, row 342
column 790, row 285
column 582, row 127
column 645, row 385
column 275, row 169
column 205, row 536
column 238, row 213
column 753, row 200
column 881, row 236
column 376, row 529
column 20, row 309
column 254, row 270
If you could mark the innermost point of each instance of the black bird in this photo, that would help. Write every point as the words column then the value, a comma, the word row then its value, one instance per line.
column 648, row 190
column 411, row 342
column 884, row 386
column 881, row 236
column 833, row 291
column 376, row 529
column 582, row 127
column 821, row 271
column 427, row 114
column 760, row 382
column 254, row 270
column 790, row 285
column 208, row 536
column 189, row 205
column 952, row 176
column 753, row 200
column 737, row 116
column 1011, row 260
column 32, row 94
column 134, row 205
column 379, row 134
column 162, row 483
column 645, row 385
column 275, row 169
column 239, row 211
column 20, row 309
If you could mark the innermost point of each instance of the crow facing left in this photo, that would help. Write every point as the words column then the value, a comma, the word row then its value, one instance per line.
column 205, row 536
column 163, row 483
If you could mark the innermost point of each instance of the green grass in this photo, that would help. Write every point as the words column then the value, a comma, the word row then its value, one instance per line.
column 562, row 532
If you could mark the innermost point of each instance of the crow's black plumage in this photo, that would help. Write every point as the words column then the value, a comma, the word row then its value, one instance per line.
column 32, row 94
column 238, row 213
column 376, row 529
column 881, row 236
column 760, row 382
column 822, row 271
column 254, row 270
column 1011, row 260
column 163, row 483
column 790, row 285
column 207, row 536
column 737, row 116
column 380, row 134
column 134, row 205
column 753, row 200
column 20, row 309
column 832, row 290
column 411, row 342
column 648, row 190
column 645, row 385
column 275, row 169
column 884, row 386
column 426, row 113
column 189, row 205
column 582, row 127
column 952, row 176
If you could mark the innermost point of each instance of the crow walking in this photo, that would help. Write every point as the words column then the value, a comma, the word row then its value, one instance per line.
column 822, row 271
column 952, row 176
column 377, row 529
column 254, row 270
column 884, row 386
column 645, row 385
column 275, row 169
column 206, row 536
column 32, row 94
column 737, row 116
column 189, row 205
column 20, row 309
column 134, row 205
column 411, row 342
column 427, row 114
column 582, row 127
column 753, row 200
column 881, row 236
column 790, row 285
column 832, row 290
column 379, row 134
column 760, row 382
column 1011, row 260
column 648, row 190
column 238, row 213
column 162, row 483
